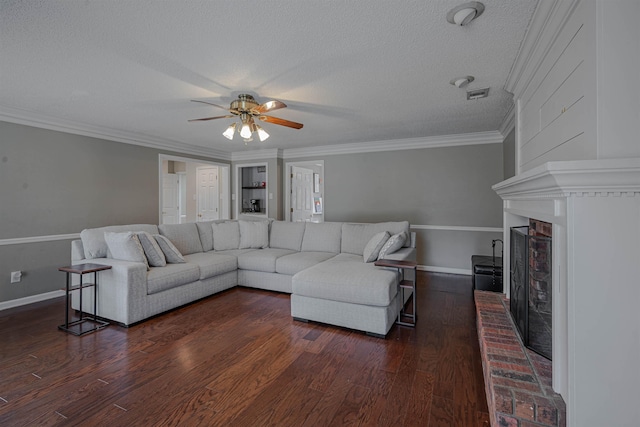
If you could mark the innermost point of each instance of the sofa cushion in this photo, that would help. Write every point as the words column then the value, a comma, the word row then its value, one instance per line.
column 346, row 278
column 171, row 253
column 93, row 241
column 262, row 260
column 125, row 246
column 206, row 233
column 298, row 261
column 286, row 235
column 155, row 256
column 372, row 249
column 356, row 236
column 235, row 252
column 172, row 276
column 226, row 235
column 254, row 234
column 212, row 264
column 394, row 243
column 185, row 237
column 322, row 237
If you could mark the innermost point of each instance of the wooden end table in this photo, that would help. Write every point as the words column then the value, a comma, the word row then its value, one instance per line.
column 404, row 318
column 85, row 324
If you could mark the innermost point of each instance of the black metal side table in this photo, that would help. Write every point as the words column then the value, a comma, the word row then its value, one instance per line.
column 84, row 324
column 404, row 318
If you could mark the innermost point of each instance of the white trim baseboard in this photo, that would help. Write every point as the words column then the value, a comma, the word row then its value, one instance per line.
column 448, row 270
column 5, row 305
column 39, row 239
column 456, row 228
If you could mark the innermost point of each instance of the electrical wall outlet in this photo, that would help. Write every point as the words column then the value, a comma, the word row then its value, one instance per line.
column 16, row 276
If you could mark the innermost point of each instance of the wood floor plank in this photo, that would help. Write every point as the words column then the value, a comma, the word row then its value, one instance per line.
column 238, row 358
column 419, row 400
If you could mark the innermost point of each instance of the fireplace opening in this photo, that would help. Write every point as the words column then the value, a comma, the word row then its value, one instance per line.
column 531, row 285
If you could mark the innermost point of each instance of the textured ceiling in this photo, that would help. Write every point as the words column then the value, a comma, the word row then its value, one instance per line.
column 351, row 71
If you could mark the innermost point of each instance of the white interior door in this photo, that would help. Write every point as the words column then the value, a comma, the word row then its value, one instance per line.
column 170, row 198
column 301, row 194
column 208, row 199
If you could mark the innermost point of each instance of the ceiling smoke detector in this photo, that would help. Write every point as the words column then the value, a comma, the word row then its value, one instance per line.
column 478, row 93
column 461, row 82
column 465, row 13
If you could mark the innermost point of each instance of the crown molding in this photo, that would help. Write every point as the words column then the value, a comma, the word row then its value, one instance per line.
column 509, row 121
column 491, row 137
column 29, row 118
column 545, row 26
column 272, row 153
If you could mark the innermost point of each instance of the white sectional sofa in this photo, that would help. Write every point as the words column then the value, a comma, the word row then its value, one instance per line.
column 320, row 264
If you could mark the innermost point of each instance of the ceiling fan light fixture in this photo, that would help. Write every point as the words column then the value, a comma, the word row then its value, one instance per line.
column 465, row 13
column 245, row 129
column 262, row 134
column 229, row 132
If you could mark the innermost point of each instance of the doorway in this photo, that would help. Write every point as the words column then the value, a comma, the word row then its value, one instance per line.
column 201, row 191
column 304, row 191
column 207, row 193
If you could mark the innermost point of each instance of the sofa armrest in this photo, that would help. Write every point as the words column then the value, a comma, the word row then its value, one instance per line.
column 77, row 251
column 121, row 290
column 403, row 254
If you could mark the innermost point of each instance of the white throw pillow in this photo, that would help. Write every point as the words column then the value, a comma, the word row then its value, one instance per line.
column 152, row 250
column 125, row 246
column 254, row 234
column 169, row 250
column 226, row 235
column 372, row 249
column 394, row 243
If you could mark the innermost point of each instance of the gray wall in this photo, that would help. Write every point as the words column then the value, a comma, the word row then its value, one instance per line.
column 428, row 187
column 509, row 155
column 56, row 183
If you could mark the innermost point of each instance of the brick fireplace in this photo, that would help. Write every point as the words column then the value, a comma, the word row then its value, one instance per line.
column 593, row 207
column 531, row 285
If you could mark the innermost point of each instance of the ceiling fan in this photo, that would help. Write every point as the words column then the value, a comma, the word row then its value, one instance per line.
column 246, row 108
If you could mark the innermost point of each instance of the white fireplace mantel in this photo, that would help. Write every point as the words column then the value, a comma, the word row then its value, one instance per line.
column 594, row 207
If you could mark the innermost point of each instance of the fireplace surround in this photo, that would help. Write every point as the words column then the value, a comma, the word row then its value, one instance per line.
column 594, row 209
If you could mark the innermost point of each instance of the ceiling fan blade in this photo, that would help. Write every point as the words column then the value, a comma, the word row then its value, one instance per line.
column 208, row 103
column 281, row 122
column 268, row 106
column 211, row 118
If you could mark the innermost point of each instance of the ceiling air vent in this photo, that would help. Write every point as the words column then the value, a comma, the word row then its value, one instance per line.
column 478, row 93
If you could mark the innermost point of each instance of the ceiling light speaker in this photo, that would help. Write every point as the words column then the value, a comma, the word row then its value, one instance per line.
column 462, row 82
column 465, row 13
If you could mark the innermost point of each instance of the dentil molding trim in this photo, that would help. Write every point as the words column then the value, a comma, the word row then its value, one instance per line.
column 608, row 177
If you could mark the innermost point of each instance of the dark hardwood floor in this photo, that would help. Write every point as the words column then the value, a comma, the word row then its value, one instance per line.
column 238, row 359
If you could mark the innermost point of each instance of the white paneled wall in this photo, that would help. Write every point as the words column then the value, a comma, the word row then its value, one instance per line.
column 554, row 113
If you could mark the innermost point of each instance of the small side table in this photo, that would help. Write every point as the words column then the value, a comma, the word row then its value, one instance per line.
column 404, row 318
column 85, row 324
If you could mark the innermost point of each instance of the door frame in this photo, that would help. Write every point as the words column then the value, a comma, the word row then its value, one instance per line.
column 287, row 184
column 224, row 175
